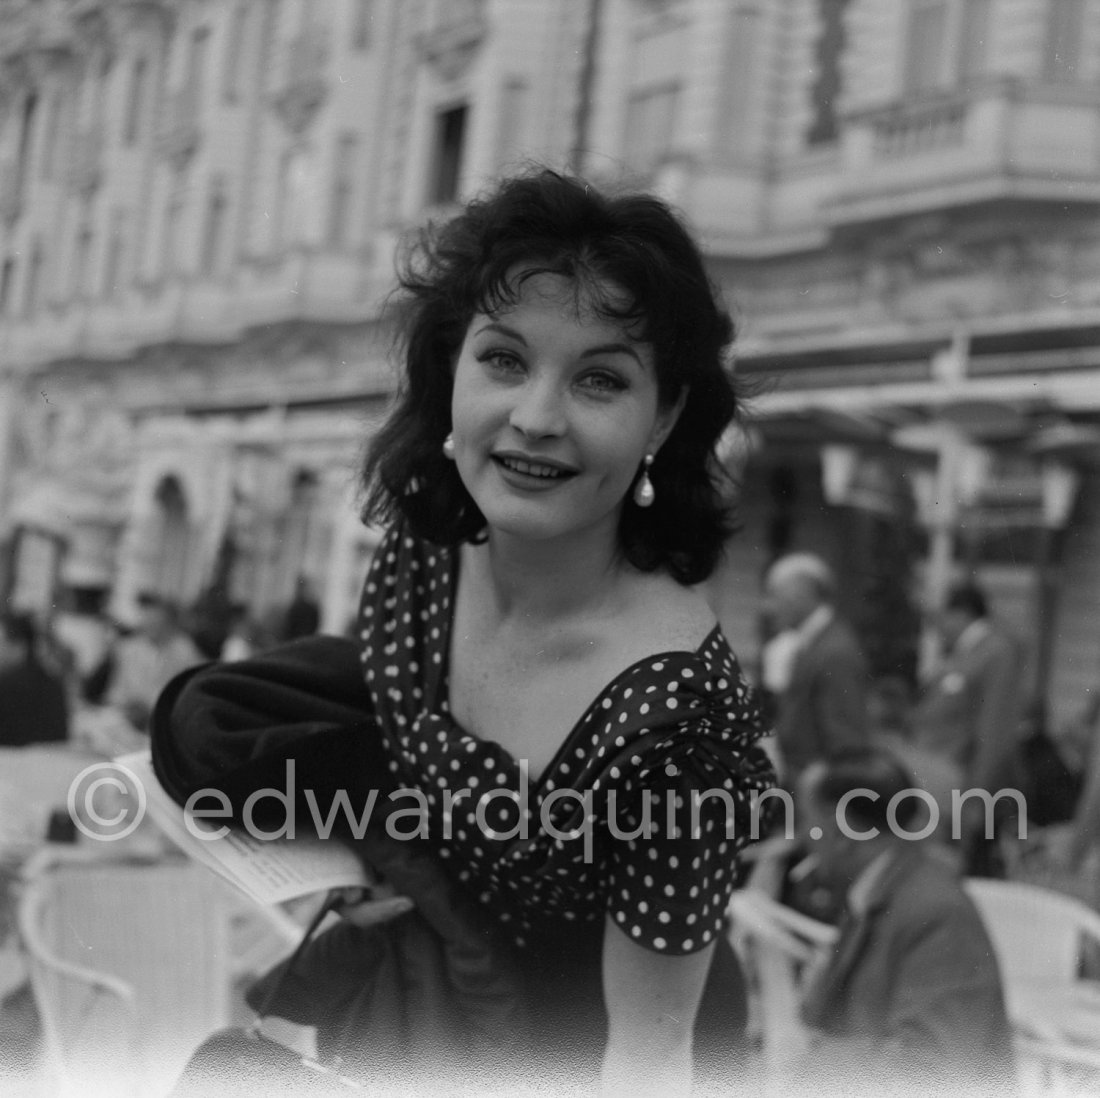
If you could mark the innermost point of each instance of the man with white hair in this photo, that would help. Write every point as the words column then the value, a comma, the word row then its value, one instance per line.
column 822, row 707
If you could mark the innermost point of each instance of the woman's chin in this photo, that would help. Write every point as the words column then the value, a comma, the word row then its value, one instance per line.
column 535, row 522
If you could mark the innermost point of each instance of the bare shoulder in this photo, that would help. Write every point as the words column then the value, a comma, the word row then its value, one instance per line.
column 663, row 615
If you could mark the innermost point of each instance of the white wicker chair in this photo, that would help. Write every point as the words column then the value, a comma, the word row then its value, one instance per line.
column 776, row 944
column 132, row 965
column 1042, row 940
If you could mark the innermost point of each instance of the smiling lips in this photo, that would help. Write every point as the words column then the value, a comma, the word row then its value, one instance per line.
column 542, row 470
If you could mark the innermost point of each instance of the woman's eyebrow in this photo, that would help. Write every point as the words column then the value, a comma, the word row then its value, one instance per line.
column 502, row 329
column 613, row 349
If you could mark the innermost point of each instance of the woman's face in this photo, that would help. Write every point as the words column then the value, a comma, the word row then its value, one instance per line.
column 553, row 410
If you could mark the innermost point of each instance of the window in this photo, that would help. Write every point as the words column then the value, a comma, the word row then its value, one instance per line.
column 83, row 260
column 49, row 135
column 650, row 120
column 34, row 279
column 196, row 65
column 285, row 196
column 924, row 69
column 214, row 230
column 363, row 17
column 343, row 190
column 171, row 242
column 974, row 39
column 514, row 95
column 827, row 86
column 101, row 81
column 234, row 53
column 738, row 78
column 136, row 104
column 30, row 109
column 450, row 137
column 1063, row 45
column 7, row 275
column 116, row 248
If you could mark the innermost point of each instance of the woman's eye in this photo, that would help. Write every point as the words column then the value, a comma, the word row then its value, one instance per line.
column 603, row 382
column 502, row 361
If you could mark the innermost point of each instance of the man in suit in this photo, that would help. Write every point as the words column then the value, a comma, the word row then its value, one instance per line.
column 822, row 696
column 969, row 714
column 34, row 706
column 909, row 999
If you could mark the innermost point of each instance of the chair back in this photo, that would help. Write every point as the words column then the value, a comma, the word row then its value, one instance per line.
column 129, row 965
column 1038, row 936
column 776, row 945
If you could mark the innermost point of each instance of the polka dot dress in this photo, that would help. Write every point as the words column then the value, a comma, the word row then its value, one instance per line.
column 641, row 813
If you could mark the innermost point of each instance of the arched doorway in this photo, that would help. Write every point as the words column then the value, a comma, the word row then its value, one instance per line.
column 299, row 529
column 169, row 555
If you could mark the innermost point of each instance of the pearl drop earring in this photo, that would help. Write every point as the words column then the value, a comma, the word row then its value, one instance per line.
column 644, row 494
column 449, row 447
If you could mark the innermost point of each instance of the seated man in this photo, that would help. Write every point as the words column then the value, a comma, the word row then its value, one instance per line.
column 909, row 999
column 149, row 659
column 34, row 705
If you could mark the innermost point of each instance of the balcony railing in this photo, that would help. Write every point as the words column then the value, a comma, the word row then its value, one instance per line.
column 899, row 132
column 1003, row 139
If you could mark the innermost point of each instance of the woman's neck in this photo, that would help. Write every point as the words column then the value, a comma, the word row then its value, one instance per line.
column 548, row 580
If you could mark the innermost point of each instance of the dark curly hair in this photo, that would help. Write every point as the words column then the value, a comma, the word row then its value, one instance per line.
column 547, row 223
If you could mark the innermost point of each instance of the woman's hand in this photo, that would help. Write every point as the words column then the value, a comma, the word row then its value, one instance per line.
column 369, row 906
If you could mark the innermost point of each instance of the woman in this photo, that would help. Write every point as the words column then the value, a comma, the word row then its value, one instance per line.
column 530, row 625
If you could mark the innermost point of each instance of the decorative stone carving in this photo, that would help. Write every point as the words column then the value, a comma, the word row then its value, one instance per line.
column 451, row 45
column 125, row 16
column 83, row 444
column 302, row 85
column 93, row 34
column 179, row 134
column 85, row 166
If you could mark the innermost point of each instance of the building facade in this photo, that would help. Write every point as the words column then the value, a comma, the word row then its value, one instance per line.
column 200, row 204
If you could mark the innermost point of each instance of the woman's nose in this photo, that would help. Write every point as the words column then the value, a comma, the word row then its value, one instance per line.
column 539, row 409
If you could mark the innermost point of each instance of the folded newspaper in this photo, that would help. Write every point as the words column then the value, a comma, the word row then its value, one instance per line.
column 269, row 870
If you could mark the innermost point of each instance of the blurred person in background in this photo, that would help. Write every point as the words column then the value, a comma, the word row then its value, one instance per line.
column 89, row 636
column 147, row 660
column 303, row 615
column 33, row 698
column 909, row 997
column 1065, row 854
column 242, row 638
column 969, row 715
column 890, row 705
column 822, row 689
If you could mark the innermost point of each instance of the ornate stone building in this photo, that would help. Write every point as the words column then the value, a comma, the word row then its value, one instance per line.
column 200, row 203
column 199, row 208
